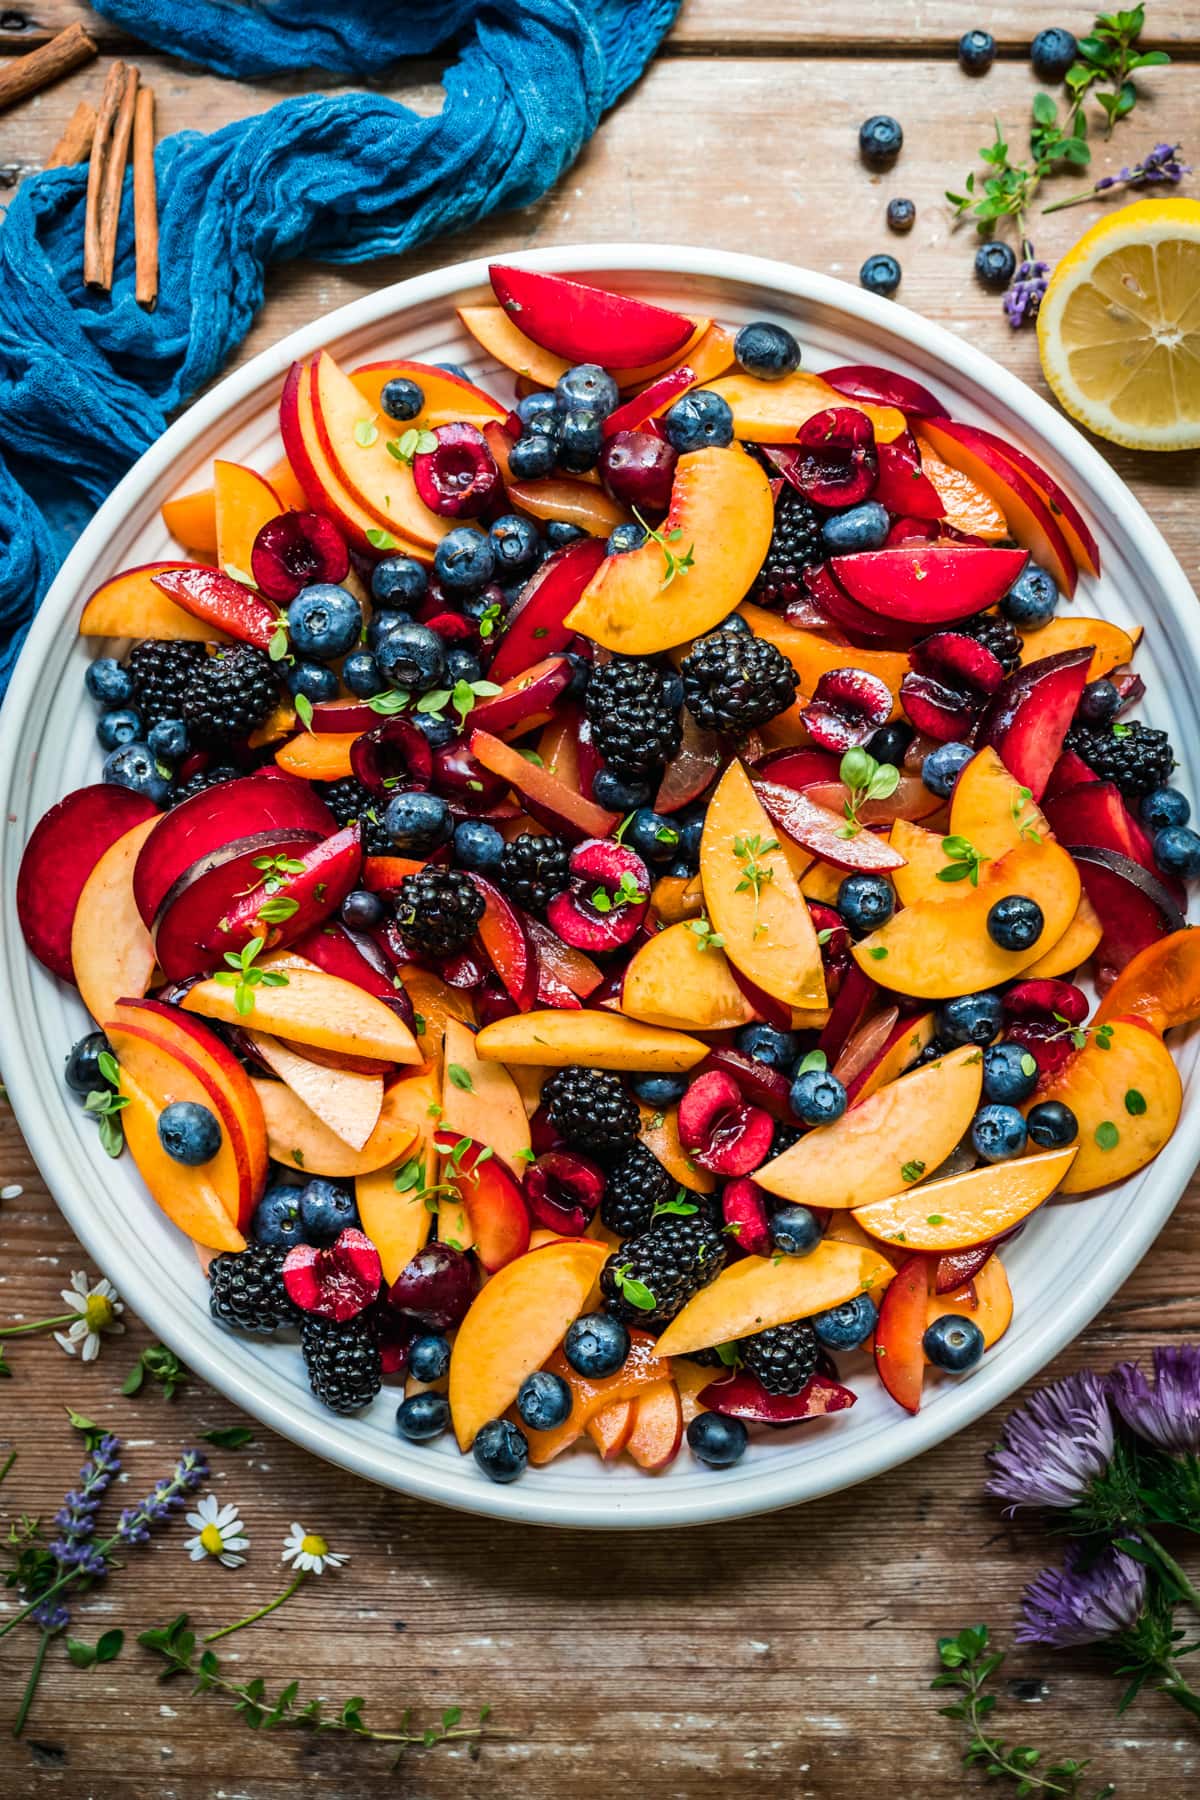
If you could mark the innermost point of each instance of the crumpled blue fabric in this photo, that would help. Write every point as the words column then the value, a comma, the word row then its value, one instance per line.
column 88, row 381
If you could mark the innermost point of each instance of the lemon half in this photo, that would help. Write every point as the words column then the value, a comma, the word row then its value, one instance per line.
column 1119, row 327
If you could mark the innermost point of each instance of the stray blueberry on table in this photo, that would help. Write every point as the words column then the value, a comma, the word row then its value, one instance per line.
column 976, row 52
column 880, row 139
column 901, row 215
column 1052, row 52
column 880, row 275
column 995, row 263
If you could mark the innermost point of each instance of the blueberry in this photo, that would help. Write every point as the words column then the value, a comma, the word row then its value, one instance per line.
column 1177, row 851
column 436, row 729
column 516, row 544
column 360, row 672
column 401, row 399
column 83, row 1075
column 465, row 560
column 477, row 845
column 795, row 1231
column 531, row 457
column 862, row 527
column 1099, row 702
column 901, row 216
column 168, row 739
column 953, row 1343
column 422, row 1417
column 1052, row 52
column 545, row 423
column 276, row 1220
column 880, row 274
column 324, row 621
column 817, row 1097
column 846, row 1326
column 313, row 680
column 189, row 1132
column 970, row 1019
column 998, row 1132
column 501, row 1450
column 135, row 766
column 617, row 793
column 890, row 742
column 625, row 537
column 1051, row 1125
column 120, row 726
column 418, row 823
column 532, row 405
column 691, row 830
column 1165, row 806
column 1010, row 1073
column 976, row 52
column 429, row 1357
column 543, row 1401
column 412, row 657
column 386, row 619
column 766, row 351
column 659, row 1091
column 107, row 682
column 942, row 767
column 596, row 1344
column 1017, row 922
column 879, row 140
column 490, row 602
column 702, row 418
column 653, row 836
column 398, row 581
column 362, row 910
column 559, row 533
column 1032, row 599
column 588, row 388
column 326, row 1209
column 581, row 440
column 462, row 665
column 716, row 1440
column 995, row 264
column 865, row 902
column 768, row 1045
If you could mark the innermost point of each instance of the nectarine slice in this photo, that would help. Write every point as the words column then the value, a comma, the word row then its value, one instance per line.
column 348, row 1103
column 1125, row 1091
column 772, row 412
column 721, row 515
column 187, row 1196
column 323, row 485
column 647, row 372
column 986, row 1300
column 375, row 478
column 192, row 519
column 965, row 505
column 972, row 1208
column 313, row 1008
column 448, row 398
column 657, row 1431
column 513, row 1325
column 992, row 810
column 1161, row 985
column 1077, row 943
column 708, row 354
column 905, row 1043
column 659, row 1131
column 111, row 950
column 434, row 1004
column 1111, row 646
column 675, row 980
column 1031, row 520
column 611, row 1427
column 599, row 1040
column 760, row 1291
column 299, row 1140
column 812, row 656
column 924, row 859
column 129, row 605
column 642, row 1369
column 886, row 1142
column 481, row 1100
column 492, row 327
column 244, row 501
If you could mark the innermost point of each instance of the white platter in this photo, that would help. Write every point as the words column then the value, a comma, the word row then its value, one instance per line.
column 1063, row 1268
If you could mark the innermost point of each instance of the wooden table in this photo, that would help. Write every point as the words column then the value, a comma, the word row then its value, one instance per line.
column 780, row 1656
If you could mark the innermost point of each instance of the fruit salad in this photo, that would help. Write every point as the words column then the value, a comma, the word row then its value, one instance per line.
column 596, row 884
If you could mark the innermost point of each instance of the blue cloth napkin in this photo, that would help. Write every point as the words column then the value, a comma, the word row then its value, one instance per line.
column 88, row 381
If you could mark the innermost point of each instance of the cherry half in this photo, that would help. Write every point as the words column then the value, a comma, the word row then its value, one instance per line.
column 295, row 550
column 458, row 478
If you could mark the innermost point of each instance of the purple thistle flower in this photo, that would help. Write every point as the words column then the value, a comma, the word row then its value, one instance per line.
column 1055, row 1445
column 167, row 1497
column 1082, row 1603
column 1027, row 290
column 1167, row 1414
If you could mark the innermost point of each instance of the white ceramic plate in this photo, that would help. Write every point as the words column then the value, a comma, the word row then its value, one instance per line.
column 1063, row 1269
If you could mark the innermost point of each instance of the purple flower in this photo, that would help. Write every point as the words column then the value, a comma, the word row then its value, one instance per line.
column 1028, row 289
column 167, row 1497
column 1162, row 164
column 1082, row 1603
column 1055, row 1445
column 74, row 1550
column 1167, row 1414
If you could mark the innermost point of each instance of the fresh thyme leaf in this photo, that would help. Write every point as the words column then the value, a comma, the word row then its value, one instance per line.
column 673, row 564
column 460, row 1077
column 636, row 1292
column 229, row 1437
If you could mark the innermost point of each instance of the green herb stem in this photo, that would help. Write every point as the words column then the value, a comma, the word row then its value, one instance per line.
column 1172, row 1569
column 31, row 1686
column 254, row 1617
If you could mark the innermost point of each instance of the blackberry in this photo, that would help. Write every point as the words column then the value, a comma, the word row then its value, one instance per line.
column 437, row 910
column 733, row 681
column 672, row 1262
column 345, row 1369
column 160, row 669
column 783, row 1358
column 202, row 779
column 1134, row 755
column 634, row 726
column 246, row 1289
column 996, row 635
column 784, row 1136
column 795, row 546
column 533, row 869
column 634, row 1184
column 229, row 694
column 590, row 1108
column 348, row 800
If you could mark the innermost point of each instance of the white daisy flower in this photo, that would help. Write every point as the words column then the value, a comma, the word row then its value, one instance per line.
column 308, row 1551
column 219, row 1532
column 97, row 1310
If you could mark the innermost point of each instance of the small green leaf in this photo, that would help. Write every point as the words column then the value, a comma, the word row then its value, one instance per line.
column 229, row 1437
column 381, row 540
column 815, row 1060
column 460, row 1077
column 1028, row 1064
column 1107, row 1135
column 109, row 1645
column 366, row 433
column 107, row 1064
column 304, row 711
column 636, row 1292
column 1135, row 1102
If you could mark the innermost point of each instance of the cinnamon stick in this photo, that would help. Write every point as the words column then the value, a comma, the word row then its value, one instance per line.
column 29, row 74
column 75, row 144
column 145, row 199
column 106, row 175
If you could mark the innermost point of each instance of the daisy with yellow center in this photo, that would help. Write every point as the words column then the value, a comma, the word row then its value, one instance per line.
column 308, row 1553
column 93, row 1311
column 219, row 1533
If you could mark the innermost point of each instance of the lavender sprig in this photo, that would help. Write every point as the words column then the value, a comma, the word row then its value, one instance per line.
column 1161, row 165
column 1027, row 290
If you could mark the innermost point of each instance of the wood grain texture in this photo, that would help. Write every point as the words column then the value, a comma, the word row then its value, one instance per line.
column 785, row 1656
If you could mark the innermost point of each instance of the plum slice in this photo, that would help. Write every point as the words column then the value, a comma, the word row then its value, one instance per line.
column 742, row 1396
column 950, row 681
column 1134, row 907
column 66, row 844
column 535, row 627
column 884, row 387
column 1030, row 714
column 586, row 323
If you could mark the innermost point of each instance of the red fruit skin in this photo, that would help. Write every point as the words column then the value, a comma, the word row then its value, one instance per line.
column 757, row 1083
column 331, row 871
column 1070, row 771
column 847, row 1012
column 848, row 706
column 186, row 931
column 1030, row 714
column 460, row 477
column 635, row 414
column 817, row 829
column 1095, row 813
column 1043, row 998
column 585, row 323
column 840, row 610
column 943, row 713
column 294, row 550
column 342, row 716
column 507, row 946
column 1059, row 502
column 903, row 1316
column 638, row 469
column 64, row 847
column 523, row 699
column 436, row 1288
column 744, row 1206
column 960, row 1266
column 742, row 1396
column 218, row 599
column 902, row 485
column 959, row 661
column 396, row 752
column 535, row 626
column 1134, row 907
column 929, row 585
column 332, row 948
column 562, row 1191
column 692, row 769
column 884, row 387
column 563, row 965
column 912, row 531
column 838, row 464
column 464, row 781
column 494, row 1202
column 335, row 1283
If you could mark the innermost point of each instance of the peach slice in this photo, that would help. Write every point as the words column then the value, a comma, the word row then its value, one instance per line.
column 721, row 514
column 659, row 1131
column 934, row 950
column 243, row 501
column 187, row 1196
column 642, row 1369
column 299, row 1140
column 448, row 398
column 514, row 1324
column 843, row 1228
column 192, row 519
column 886, row 1142
column 314, row 1008
column 967, row 507
column 675, row 980
column 772, row 412
column 1073, row 948
column 492, row 327
column 481, row 1100
column 986, row 1300
column 708, row 354
column 967, row 1209
column 1111, row 646
column 398, row 1222
column 599, row 1040
column 612, row 1426
column 658, row 1427
column 992, row 811
column 373, row 476
column 323, row 486
column 434, row 1004
column 754, row 899
column 901, row 1048
column 1125, row 1091
column 318, row 758
column 924, row 858
column 129, row 605
column 1160, row 986
column 760, row 1291
column 111, row 950
column 347, row 1102
column 812, row 655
